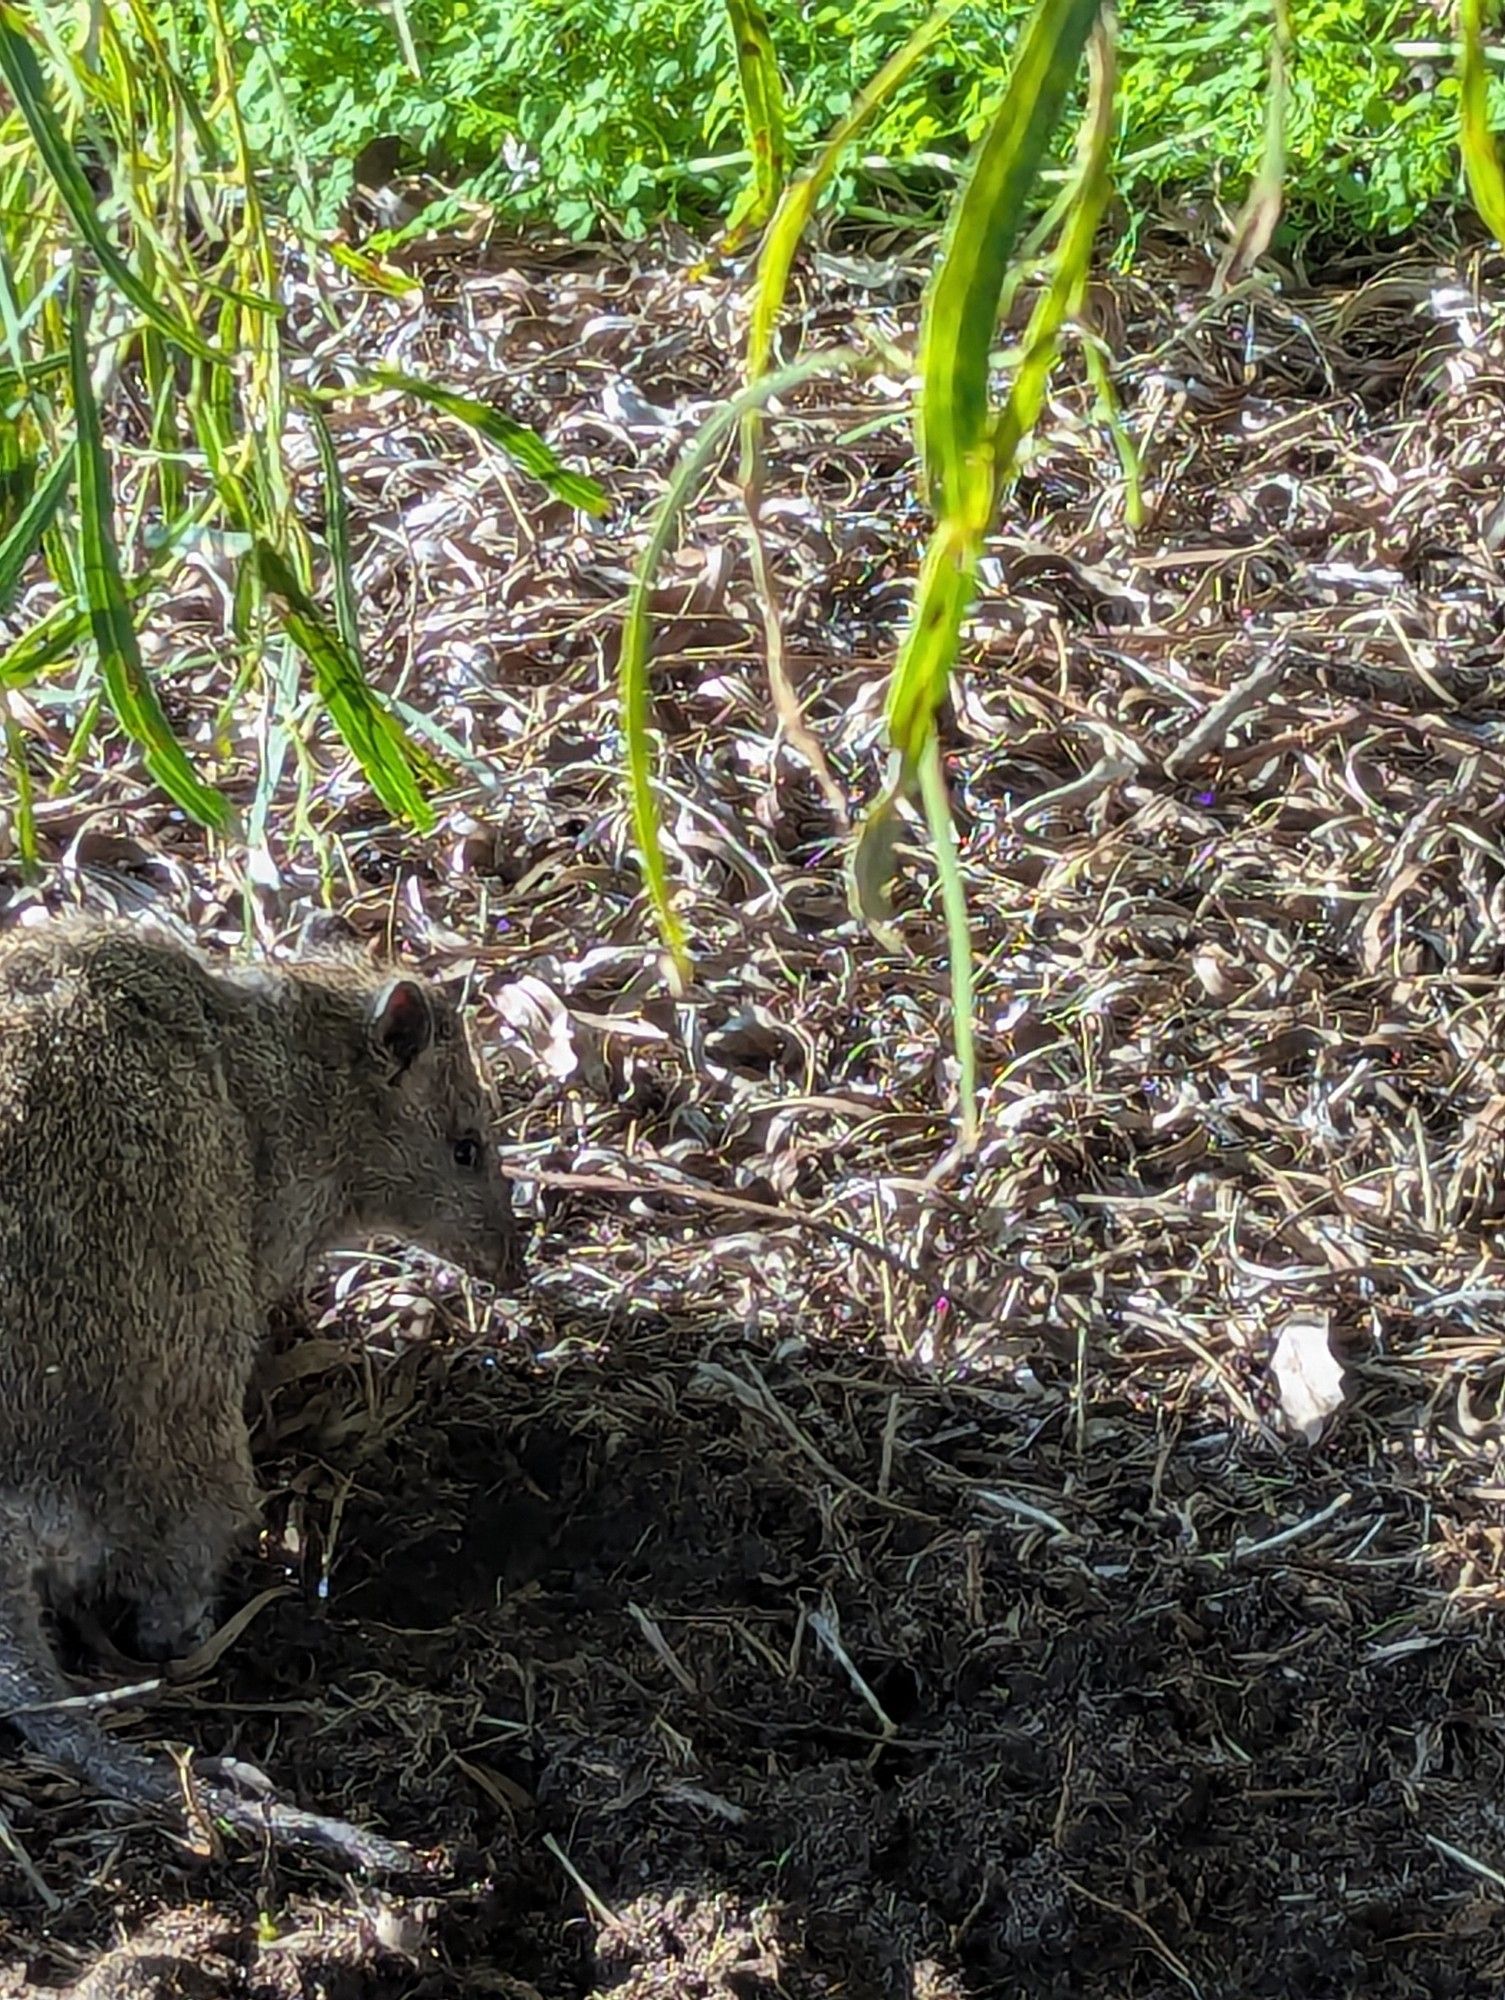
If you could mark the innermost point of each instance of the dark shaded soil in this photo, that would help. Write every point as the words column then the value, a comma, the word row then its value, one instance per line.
column 730, row 1671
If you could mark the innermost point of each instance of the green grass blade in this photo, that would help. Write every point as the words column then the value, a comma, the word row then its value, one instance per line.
column 1481, row 160
column 958, row 933
column 14, row 381
column 127, row 685
column 924, row 670
column 524, row 447
column 633, row 665
column 286, row 136
column 974, row 453
column 25, row 810
column 776, row 259
column 385, row 752
column 1071, row 267
column 166, row 442
column 961, row 307
column 211, row 156
column 926, row 657
column 1106, row 410
column 770, row 289
column 18, row 474
column 371, row 271
column 78, row 745
column 762, row 117
column 16, row 549
column 55, row 637
column 337, row 534
column 28, row 87
column 211, row 400
column 1261, row 210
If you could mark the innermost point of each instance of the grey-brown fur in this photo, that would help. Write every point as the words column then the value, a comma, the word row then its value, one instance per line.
column 179, row 1141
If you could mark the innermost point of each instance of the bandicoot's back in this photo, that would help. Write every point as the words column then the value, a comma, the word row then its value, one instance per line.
column 125, row 1190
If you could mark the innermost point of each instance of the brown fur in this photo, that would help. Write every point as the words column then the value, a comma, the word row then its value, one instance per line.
column 179, row 1142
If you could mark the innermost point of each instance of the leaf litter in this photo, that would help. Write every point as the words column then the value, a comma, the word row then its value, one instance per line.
column 849, row 1571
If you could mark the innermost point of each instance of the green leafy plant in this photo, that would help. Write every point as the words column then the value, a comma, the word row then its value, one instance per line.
column 617, row 113
column 763, row 117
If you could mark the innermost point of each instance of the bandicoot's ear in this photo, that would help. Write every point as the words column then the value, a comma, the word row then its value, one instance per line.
column 324, row 934
column 402, row 1023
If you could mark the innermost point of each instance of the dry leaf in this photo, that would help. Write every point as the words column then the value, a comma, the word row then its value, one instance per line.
column 1309, row 1377
column 541, row 1022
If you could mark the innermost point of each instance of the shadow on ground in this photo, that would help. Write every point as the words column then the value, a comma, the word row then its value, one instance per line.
column 741, row 1671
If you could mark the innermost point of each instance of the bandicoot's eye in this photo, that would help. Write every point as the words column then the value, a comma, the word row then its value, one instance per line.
column 468, row 1152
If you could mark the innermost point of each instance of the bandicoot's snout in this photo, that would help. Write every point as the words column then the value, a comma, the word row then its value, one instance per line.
column 484, row 1239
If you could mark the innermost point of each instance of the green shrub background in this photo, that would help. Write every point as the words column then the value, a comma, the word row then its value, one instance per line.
column 585, row 113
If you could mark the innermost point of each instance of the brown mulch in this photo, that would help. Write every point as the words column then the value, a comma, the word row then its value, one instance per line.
column 864, row 1573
